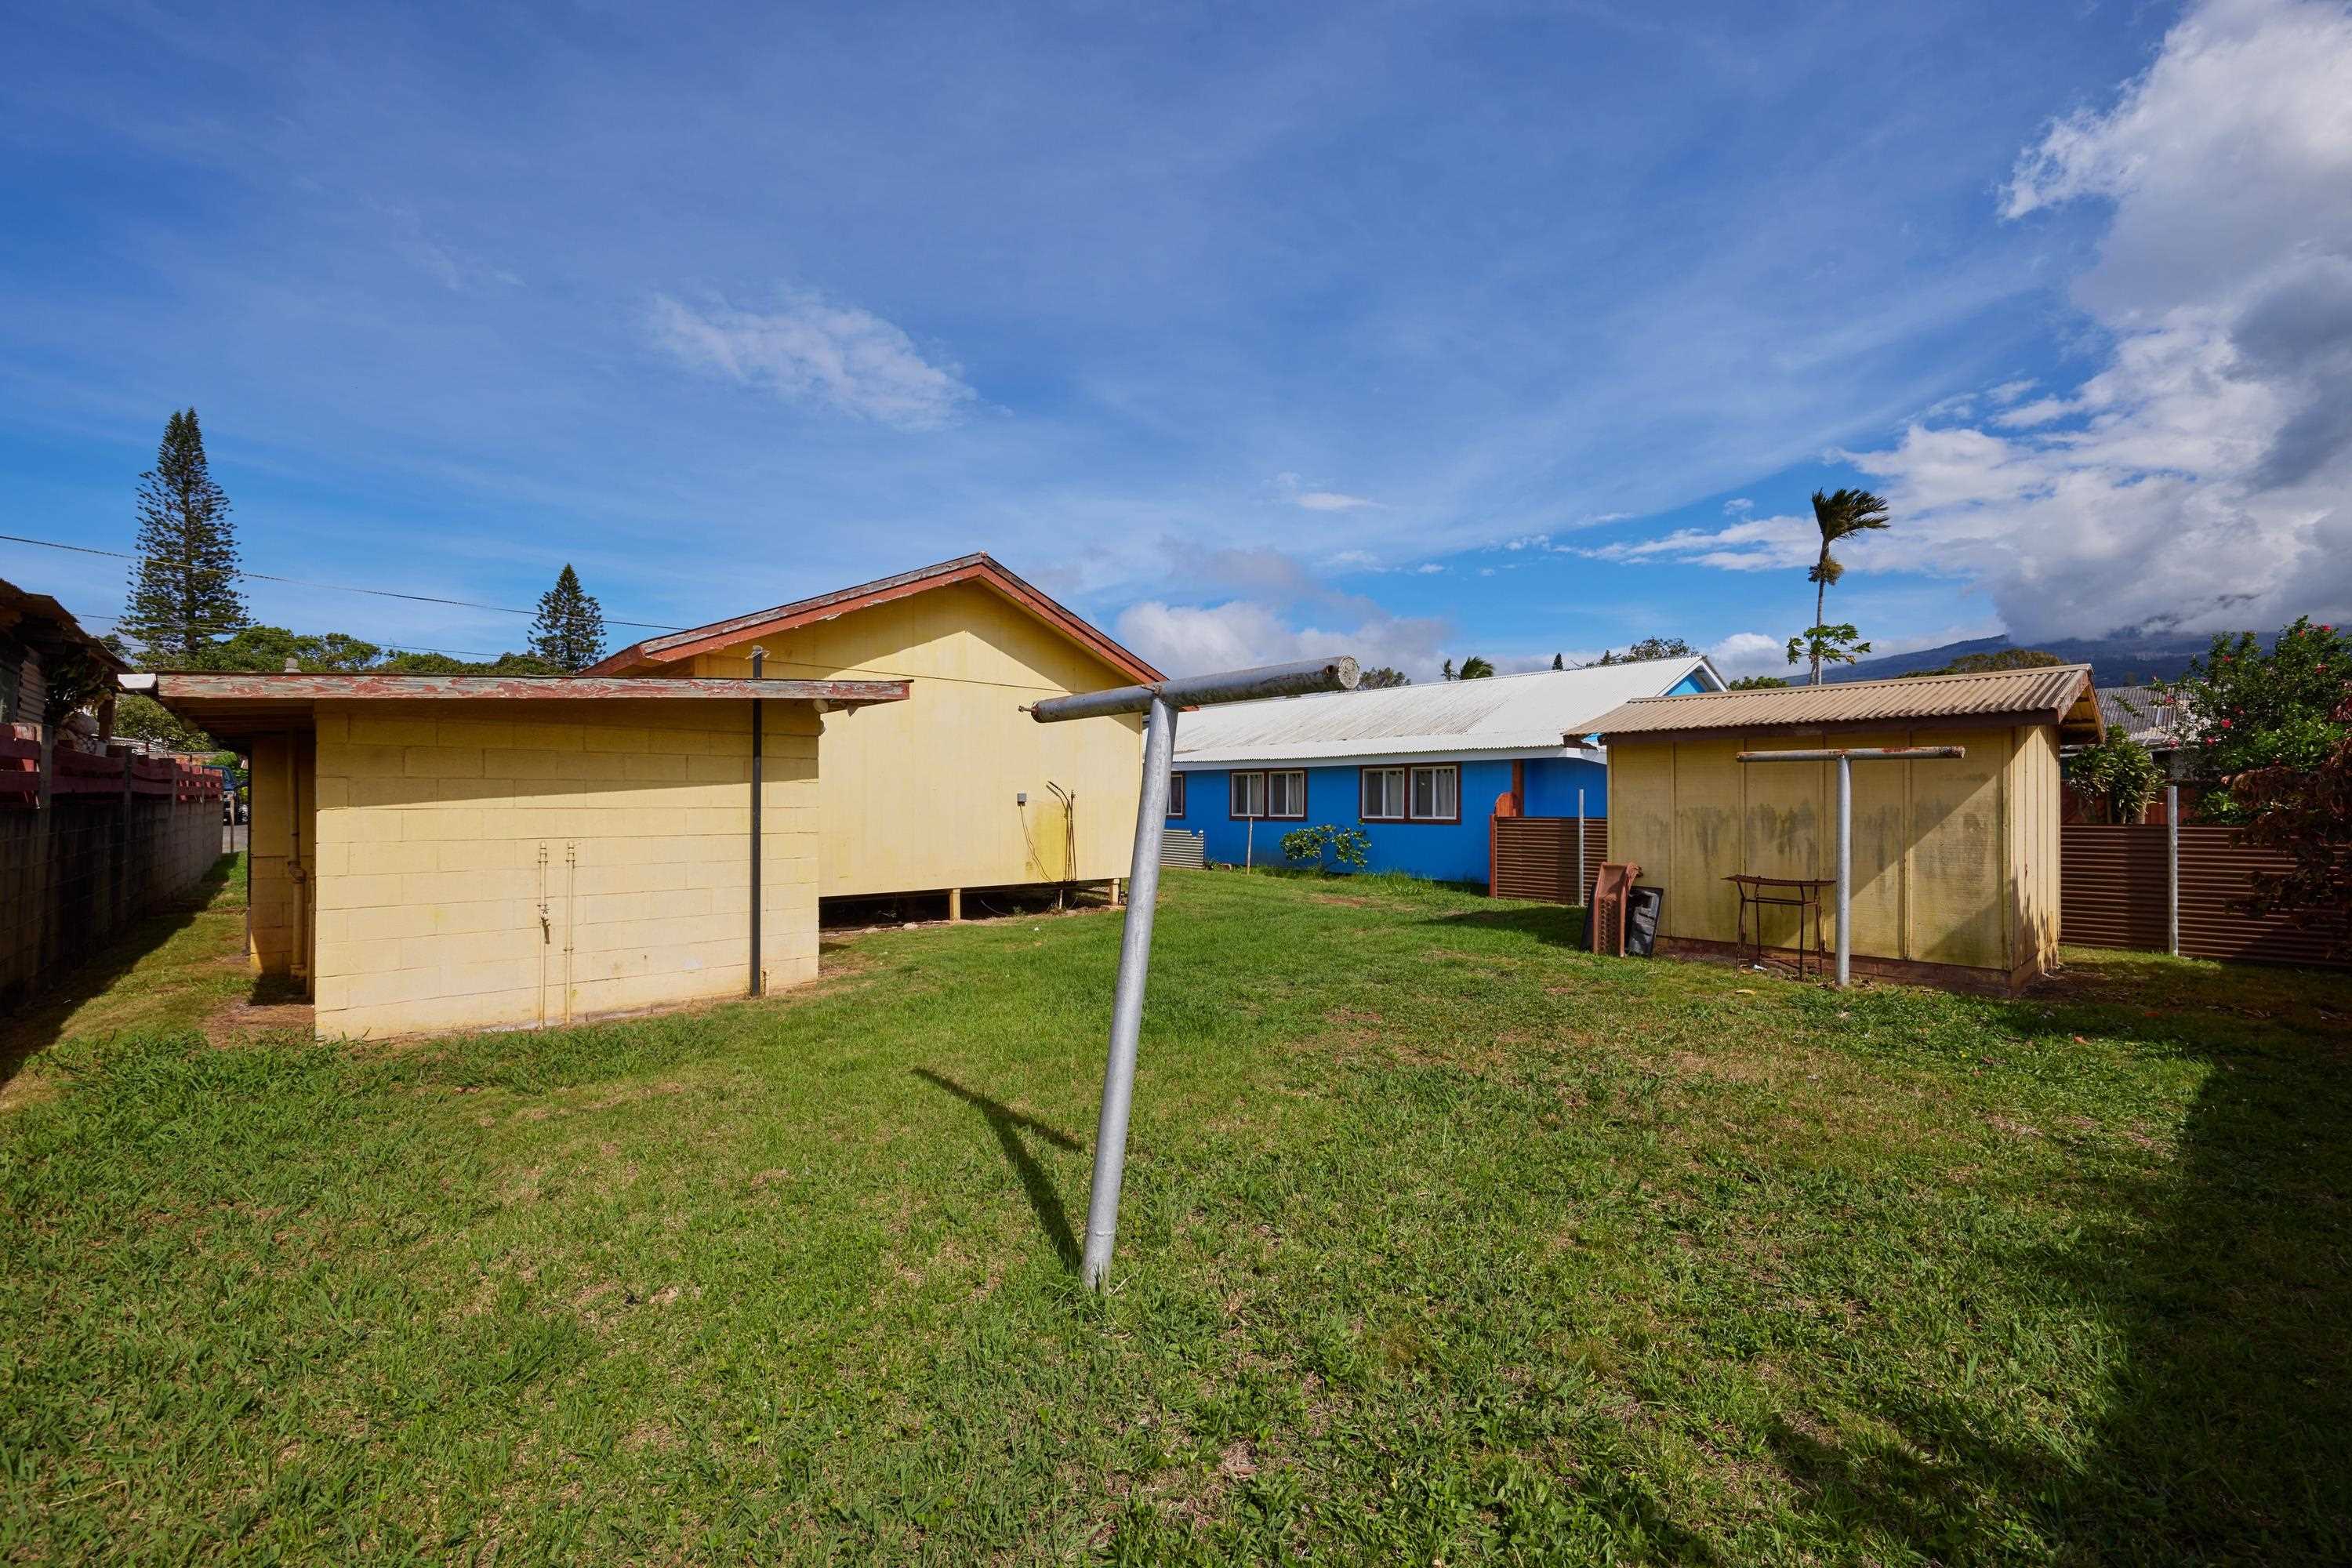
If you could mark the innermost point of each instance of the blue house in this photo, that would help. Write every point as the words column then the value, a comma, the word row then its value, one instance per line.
column 1418, row 768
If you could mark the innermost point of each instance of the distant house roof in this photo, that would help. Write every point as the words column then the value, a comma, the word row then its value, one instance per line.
column 2145, row 714
column 2056, row 694
column 979, row 568
column 1506, row 715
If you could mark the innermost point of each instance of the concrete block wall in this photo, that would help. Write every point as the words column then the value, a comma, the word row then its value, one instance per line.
column 490, row 865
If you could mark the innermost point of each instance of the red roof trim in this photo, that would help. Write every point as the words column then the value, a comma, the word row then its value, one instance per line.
column 980, row 568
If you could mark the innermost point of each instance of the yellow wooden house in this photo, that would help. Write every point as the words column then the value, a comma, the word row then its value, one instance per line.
column 957, row 788
column 1954, row 862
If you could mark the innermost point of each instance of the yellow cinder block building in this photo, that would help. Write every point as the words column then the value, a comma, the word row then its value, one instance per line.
column 957, row 788
column 1954, row 867
column 433, row 853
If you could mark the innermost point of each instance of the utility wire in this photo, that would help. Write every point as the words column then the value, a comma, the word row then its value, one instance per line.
column 387, row 646
column 333, row 587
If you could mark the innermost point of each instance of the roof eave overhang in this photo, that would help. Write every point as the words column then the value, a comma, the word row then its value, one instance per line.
column 2069, row 728
column 1228, row 761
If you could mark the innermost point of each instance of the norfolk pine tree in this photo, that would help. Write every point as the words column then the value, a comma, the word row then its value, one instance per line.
column 570, row 631
column 184, row 584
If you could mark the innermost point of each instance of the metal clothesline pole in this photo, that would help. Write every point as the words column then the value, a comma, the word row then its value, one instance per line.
column 1160, row 701
column 1845, row 757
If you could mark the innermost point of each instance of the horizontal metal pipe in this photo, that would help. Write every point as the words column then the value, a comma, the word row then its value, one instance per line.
column 1858, row 753
column 1296, row 679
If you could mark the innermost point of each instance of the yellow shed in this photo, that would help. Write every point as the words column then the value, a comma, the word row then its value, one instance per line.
column 956, row 788
column 443, row 852
column 1954, row 862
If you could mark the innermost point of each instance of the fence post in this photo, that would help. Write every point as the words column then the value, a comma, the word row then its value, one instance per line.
column 2172, row 869
column 1581, row 897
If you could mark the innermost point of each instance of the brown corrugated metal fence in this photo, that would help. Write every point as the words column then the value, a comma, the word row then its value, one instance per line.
column 2112, row 895
column 1535, row 857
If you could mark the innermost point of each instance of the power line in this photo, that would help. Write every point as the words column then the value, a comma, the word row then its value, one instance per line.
column 387, row 646
column 332, row 587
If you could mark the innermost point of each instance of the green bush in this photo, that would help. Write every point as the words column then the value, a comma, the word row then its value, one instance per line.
column 1347, row 846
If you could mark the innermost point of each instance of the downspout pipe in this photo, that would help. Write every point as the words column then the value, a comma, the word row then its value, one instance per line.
column 759, row 672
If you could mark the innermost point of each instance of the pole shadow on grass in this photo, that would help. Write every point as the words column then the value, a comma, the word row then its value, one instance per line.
column 2225, row 1429
column 1008, row 1124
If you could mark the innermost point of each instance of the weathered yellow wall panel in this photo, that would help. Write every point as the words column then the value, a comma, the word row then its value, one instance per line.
column 493, row 867
column 1703, row 840
column 920, row 794
column 1954, row 862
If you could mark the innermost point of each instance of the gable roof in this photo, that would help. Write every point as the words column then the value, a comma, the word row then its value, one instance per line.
column 2056, row 694
column 1529, row 714
column 979, row 568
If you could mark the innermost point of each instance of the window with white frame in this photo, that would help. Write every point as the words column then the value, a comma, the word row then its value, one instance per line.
column 1433, row 793
column 1278, row 796
column 1248, row 796
column 1285, row 796
column 1175, row 794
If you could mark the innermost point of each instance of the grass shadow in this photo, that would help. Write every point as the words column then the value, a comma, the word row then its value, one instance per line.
column 35, row 1021
column 1562, row 925
column 2226, row 1430
column 1009, row 1124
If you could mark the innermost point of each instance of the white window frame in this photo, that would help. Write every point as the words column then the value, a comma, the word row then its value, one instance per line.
column 1453, row 778
column 1392, row 793
column 1297, row 788
column 1238, row 809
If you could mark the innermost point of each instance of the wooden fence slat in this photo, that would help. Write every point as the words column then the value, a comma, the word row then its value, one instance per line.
column 1535, row 857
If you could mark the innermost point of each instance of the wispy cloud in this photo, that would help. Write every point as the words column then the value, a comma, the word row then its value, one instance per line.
column 1295, row 490
column 1752, row 544
column 813, row 349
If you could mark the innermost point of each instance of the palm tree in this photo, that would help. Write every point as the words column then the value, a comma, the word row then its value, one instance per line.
column 1840, row 514
column 1474, row 668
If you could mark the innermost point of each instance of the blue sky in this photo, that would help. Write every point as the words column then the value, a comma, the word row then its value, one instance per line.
column 1417, row 331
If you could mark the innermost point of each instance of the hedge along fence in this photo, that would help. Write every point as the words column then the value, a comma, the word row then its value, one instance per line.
column 2112, row 893
column 1535, row 857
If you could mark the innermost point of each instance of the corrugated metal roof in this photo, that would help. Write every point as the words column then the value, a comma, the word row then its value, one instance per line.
column 2145, row 714
column 2054, row 694
column 1526, row 713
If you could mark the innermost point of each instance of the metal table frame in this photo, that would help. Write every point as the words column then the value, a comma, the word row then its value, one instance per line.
column 1752, row 895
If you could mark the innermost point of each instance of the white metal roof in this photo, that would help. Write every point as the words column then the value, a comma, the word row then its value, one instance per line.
column 1503, row 715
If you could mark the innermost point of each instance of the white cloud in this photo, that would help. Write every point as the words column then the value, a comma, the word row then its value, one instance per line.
column 1749, row 653
column 1200, row 639
column 813, row 349
column 1295, row 490
column 1753, row 545
column 2199, row 477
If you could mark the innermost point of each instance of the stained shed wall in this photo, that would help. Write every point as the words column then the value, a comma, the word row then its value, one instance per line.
column 920, row 794
column 1954, row 862
column 496, row 863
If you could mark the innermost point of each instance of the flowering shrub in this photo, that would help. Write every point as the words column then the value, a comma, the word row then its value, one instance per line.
column 2244, row 708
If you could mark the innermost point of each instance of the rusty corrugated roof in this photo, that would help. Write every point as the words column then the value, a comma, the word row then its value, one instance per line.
column 2054, row 694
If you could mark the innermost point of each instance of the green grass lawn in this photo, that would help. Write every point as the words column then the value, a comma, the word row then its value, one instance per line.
column 1442, row 1242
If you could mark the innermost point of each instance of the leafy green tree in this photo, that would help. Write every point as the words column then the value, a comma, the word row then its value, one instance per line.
column 570, row 631
column 1658, row 647
column 1754, row 683
column 1447, row 673
column 2305, row 810
column 2115, row 779
column 261, row 648
column 1474, row 668
column 1827, row 644
column 2247, row 710
column 1559, row 661
column 140, row 718
column 1383, row 677
column 1840, row 515
column 183, row 583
